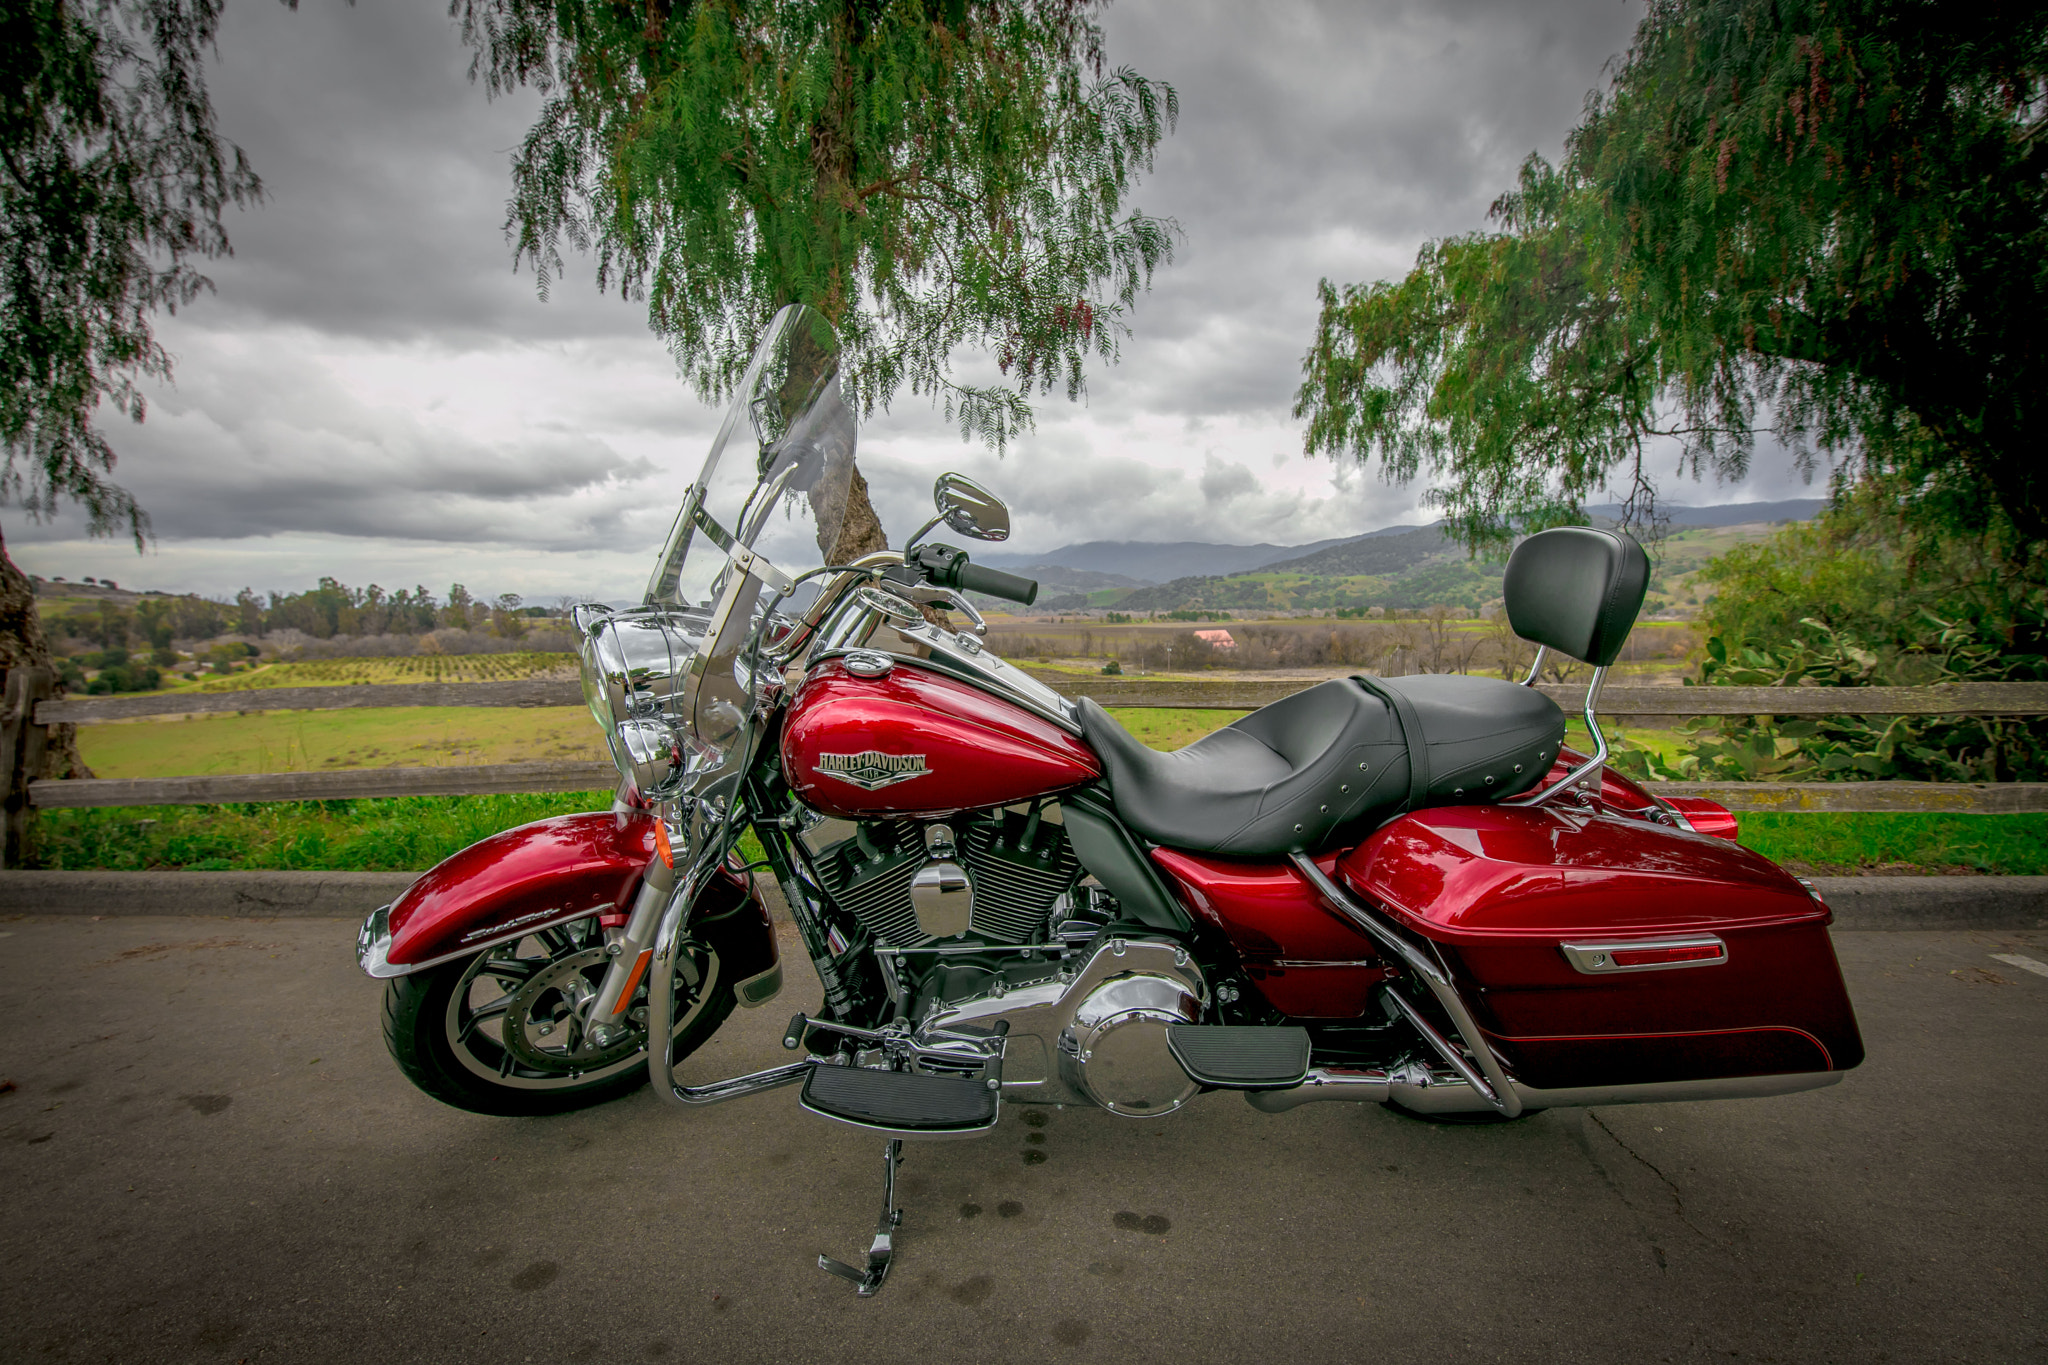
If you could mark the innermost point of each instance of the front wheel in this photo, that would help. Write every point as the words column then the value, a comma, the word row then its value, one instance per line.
column 501, row 1032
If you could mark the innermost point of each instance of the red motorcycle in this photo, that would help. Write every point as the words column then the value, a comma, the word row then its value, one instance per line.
column 1401, row 891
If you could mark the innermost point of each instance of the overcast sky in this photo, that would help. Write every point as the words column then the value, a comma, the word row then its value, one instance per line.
column 374, row 394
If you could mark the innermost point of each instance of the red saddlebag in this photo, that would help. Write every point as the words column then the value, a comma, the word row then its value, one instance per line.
column 1596, row 951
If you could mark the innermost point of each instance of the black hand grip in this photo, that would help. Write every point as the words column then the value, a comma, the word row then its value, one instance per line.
column 948, row 568
column 996, row 583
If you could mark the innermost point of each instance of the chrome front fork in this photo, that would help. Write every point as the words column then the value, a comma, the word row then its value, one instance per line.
column 631, row 954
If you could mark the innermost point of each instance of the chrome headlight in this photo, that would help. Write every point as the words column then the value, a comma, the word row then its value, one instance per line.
column 634, row 662
column 651, row 755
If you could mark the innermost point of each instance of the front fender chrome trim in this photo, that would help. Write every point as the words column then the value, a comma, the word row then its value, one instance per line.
column 373, row 945
column 374, row 939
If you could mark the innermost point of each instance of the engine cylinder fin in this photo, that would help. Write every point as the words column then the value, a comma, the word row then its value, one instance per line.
column 1020, row 865
column 870, row 875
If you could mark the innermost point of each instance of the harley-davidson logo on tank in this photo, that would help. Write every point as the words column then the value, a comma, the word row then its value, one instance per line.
column 873, row 769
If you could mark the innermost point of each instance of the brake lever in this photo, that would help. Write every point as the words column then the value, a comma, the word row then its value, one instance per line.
column 926, row 593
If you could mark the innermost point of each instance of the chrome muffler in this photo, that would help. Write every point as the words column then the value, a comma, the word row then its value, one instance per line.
column 1427, row 1091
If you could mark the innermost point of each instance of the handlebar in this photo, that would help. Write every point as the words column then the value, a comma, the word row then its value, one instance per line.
column 948, row 567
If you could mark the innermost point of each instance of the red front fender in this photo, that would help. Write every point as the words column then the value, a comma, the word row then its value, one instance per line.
column 532, row 877
column 551, row 872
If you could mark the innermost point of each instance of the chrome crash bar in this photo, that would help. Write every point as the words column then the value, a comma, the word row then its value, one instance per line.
column 661, row 1023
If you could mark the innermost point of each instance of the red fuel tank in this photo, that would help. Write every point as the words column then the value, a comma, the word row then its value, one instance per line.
column 914, row 742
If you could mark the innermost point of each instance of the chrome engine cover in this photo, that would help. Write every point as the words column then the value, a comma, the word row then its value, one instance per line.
column 1091, row 1034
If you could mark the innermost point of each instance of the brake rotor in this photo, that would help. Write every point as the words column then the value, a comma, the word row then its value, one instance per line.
column 545, row 1023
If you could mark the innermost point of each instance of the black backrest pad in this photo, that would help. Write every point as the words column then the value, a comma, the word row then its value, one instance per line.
column 1576, row 590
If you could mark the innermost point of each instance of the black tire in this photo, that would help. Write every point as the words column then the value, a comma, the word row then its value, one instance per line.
column 451, row 1051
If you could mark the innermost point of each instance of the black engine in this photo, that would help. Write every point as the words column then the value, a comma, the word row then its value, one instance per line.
column 909, row 881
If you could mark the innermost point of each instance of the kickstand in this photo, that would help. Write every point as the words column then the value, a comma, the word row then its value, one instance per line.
column 867, row 1282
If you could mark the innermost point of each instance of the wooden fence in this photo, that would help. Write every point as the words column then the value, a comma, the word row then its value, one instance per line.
column 29, row 708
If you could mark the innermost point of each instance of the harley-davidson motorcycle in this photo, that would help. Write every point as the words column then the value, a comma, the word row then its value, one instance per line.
column 1401, row 891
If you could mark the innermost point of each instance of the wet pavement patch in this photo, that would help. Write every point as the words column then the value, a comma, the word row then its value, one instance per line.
column 536, row 1276
column 973, row 1291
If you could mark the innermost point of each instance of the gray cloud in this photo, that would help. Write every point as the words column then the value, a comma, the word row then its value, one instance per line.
column 259, row 442
column 1329, row 140
column 387, row 174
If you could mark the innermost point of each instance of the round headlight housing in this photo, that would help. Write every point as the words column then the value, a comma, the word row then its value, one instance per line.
column 651, row 755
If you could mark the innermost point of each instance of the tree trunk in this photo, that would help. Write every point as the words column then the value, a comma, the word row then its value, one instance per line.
column 833, row 163
column 23, row 644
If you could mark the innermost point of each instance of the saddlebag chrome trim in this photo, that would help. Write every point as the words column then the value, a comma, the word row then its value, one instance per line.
column 1598, row 959
column 1434, row 1092
column 1497, row 1089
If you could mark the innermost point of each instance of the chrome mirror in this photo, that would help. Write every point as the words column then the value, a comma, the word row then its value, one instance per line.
column 970, row 509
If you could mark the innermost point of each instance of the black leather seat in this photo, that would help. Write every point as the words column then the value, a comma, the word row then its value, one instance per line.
column 1345, row 753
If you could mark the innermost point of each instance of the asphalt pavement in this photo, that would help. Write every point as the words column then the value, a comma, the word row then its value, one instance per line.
column 206, row 1155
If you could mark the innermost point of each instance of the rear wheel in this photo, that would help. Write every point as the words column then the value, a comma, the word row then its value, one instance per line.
column 503, row 1031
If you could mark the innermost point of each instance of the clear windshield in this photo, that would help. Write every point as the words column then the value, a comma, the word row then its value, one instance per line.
column 777, row 476
column 774, row 486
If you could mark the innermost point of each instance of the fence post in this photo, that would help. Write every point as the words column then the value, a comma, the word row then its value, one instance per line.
column 22, row 746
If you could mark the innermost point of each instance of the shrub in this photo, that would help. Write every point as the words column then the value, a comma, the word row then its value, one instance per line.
column 1854, row 599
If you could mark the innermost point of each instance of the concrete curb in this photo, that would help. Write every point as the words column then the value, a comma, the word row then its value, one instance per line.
column 1859, row 903
column 236, row 895
column 1995, row 903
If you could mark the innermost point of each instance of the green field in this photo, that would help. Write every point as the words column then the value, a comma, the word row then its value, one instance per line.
column 420, row 736
column 401, row 834
column 410, row 833
column 323, row 741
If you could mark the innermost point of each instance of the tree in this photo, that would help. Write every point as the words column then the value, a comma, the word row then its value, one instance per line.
column 506, row 620
column 462, row 609
column 1825, row 216
column 927, row 174
column 112, row 183
column 248, row 612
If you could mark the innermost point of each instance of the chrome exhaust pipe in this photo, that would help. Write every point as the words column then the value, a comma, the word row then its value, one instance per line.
column 1367, row 1085
column 1427, row 1091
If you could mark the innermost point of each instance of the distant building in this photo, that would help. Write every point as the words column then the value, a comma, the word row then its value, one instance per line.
column 1217, row 639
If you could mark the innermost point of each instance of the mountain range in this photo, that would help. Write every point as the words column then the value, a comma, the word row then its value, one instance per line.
column 1099, row 564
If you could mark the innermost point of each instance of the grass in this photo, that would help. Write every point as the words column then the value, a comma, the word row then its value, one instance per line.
column 400, row 834
column 1171, row 729
column 1844, row 844
column 410, row 833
